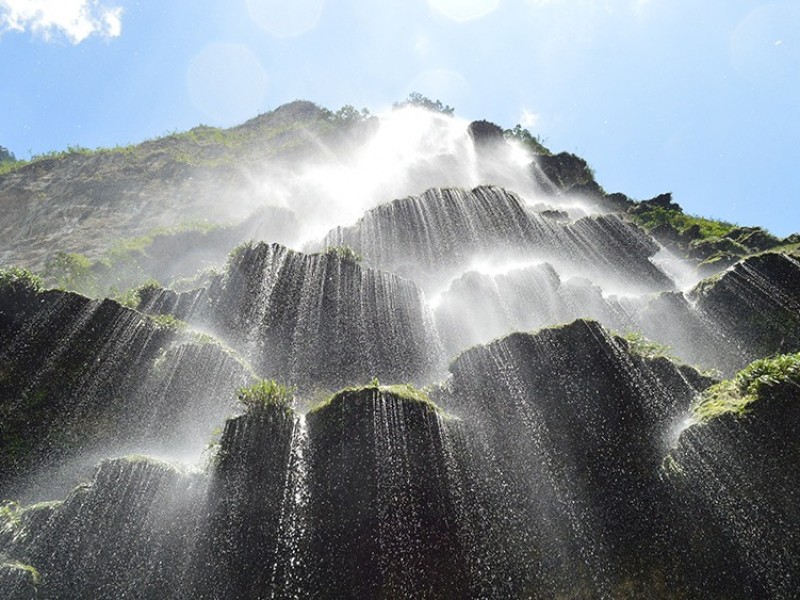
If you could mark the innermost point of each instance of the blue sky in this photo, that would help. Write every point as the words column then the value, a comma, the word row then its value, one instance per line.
column 698, row 98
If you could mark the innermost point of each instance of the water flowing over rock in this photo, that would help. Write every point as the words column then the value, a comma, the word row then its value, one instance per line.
column 428, row 236
column 554, row 461
column 574, row 429
column 384, row 510
column 757, row 303
column 737, row 477
column 315, row 319
column 79, row 375
column 127, row 534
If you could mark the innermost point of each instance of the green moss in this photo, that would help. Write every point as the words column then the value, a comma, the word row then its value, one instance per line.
column 404, row 391
column 652, row 216
column 647, row 348
column 264, row 394
column 30, row 570
column 768, row 376
column 16, row 277
column 168, row 322
column 10, row 512
column 344, row 252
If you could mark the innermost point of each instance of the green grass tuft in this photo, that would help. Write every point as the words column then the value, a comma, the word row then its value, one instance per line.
column 404, row 391
column 264, row 394
column 344, row 252
column 761, row 378
column 16, row 277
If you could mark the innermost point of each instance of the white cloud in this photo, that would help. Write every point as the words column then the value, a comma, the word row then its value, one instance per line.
column 75, row 19
column 528, row 118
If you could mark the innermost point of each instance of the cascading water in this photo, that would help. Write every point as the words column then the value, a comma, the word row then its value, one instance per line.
column 563, row 463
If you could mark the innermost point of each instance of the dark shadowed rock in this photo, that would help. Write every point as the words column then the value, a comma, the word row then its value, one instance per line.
column 575, row 428
column 735, row 470
column 314, row 319
column 757, row 303
column 384, row 517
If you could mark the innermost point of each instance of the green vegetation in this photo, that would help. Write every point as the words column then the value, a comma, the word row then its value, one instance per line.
column 7, row 159
column 71, row 271
column 17, row 278
column 346, row 114
column 646, row 348
column 404, row 391
column 417, row 99
column 532, row 142
column 9, row 515
column 207, row 146
column 239, row 251
column 77, row 150
column 30, row 570
column 264, row 394
column 652, row 216
column 773, row 377
column 122, row 270
column 168, row 322
column 344, row 252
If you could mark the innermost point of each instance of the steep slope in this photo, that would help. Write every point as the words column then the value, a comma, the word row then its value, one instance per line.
column 573, row 428
column 313, row 319
column 736, row 469
column 83, row 201
column 565, row 462
column 433, row 235
column 81, row 376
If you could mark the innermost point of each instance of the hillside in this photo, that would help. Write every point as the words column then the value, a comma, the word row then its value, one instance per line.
column 327, row 355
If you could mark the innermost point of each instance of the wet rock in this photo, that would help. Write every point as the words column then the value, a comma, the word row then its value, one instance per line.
column 574, row 428
column 564, row 170
column 322, row 319
column 754, row 238
column 736, row 473
column 384, row 516
column 486, row 135
column 662, row 201
column 67, row 365
column 757, row 303
column 128, row 534
column 435, row 235
column 239, row 554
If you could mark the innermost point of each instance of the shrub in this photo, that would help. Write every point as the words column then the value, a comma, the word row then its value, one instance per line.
column 344, row 252
column 532, row 142
column 647, row 348
column 18, row 278
column 265, row 393
column 765, row 377
column 417, row 99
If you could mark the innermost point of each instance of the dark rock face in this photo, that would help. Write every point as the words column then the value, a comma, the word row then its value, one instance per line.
column 738, row 480
column 575, row 429
column 551, row 483
column 384, row 515
column 486, row 135
column 316, row 319
column 431, row 236
column 128, row 534
column 243, row 553
column 562, row 172
column 67, row 364
column 367, row 504
column 757, row 303
column 77, row 375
